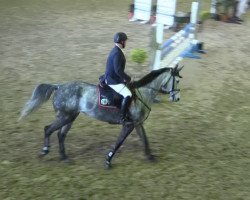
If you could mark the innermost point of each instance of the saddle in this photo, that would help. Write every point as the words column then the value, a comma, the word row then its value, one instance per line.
column 107, row 97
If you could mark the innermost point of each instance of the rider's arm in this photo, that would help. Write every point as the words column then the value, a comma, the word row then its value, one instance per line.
column 119, row 67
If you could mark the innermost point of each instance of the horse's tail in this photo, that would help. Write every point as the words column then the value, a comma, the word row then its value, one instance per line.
column 40, row 95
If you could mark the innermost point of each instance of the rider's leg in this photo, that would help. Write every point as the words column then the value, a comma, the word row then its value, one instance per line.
column 125, row 92
column 124, row 108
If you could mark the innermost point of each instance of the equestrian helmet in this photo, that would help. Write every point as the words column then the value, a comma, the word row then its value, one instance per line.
column 120, row 37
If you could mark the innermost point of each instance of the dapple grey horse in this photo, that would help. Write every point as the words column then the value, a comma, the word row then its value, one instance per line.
column 73, row 98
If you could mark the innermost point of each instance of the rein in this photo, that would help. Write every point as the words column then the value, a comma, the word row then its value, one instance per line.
column 152, row 89
column 141, row 100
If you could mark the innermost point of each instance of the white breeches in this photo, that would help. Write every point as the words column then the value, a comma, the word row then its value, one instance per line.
column 121, row 89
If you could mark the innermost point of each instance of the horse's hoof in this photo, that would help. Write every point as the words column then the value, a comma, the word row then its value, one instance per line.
column 63, row 158
column 151, row 158
column 108, row 165
column 67, row 161
column 43, row 153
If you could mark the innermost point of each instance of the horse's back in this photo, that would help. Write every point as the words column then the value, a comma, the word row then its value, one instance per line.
column 67, row 97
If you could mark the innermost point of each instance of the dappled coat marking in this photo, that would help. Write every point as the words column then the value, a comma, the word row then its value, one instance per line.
column 73, row 98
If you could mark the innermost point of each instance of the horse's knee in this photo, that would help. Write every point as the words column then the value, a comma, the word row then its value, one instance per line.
column 47, row 130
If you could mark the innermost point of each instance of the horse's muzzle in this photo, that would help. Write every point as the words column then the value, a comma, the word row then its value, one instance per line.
column 175, row 96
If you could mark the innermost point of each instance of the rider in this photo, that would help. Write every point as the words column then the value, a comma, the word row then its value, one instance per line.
column 115, row 77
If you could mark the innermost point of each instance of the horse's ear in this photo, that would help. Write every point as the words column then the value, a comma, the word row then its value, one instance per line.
column 176, row 67
column 180, row 68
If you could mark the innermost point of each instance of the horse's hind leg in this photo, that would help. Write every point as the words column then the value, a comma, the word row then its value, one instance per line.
column 126, row 130
column 142, row 134
column 62, row 120
column 61, row 134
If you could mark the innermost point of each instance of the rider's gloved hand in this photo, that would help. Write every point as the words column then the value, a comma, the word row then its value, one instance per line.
column 130, row 84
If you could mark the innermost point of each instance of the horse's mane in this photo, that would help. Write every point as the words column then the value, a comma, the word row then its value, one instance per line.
column 148, row 78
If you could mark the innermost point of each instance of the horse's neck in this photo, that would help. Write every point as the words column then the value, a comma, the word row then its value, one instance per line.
column 159, row 81
column 150, row 91
column 145, row 96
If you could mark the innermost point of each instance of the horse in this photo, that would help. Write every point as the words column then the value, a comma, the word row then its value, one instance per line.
column 71, row 99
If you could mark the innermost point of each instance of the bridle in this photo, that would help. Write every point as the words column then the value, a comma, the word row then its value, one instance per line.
column 174, row 74
column 174, row 91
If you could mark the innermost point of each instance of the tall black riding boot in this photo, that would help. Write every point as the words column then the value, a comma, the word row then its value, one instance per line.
column 124, row 109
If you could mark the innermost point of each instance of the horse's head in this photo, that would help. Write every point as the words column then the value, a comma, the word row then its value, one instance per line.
column 165, row 80
column 171, row 84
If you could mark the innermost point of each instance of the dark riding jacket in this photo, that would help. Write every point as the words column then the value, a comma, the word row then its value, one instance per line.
column 115, row 67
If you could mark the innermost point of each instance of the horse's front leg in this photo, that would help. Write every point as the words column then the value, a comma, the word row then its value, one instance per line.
column 126, row 130
column 142, row 134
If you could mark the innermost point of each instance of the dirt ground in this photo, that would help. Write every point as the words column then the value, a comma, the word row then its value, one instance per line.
column 202, row 142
